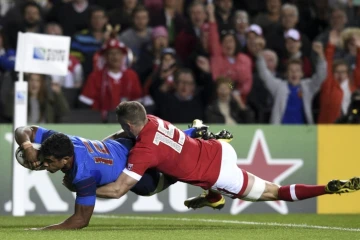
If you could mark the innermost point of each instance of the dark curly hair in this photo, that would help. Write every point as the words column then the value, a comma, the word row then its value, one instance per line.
column 58, row 145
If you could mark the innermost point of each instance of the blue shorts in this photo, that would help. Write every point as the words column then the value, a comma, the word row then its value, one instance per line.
column 149, row 182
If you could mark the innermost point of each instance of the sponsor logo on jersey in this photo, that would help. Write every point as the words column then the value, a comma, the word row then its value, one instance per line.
column 129, row 167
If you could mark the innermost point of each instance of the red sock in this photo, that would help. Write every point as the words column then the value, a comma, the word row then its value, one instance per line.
column 297, row 192
column 213, row 196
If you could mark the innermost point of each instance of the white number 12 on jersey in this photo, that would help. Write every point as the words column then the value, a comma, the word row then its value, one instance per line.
column 166, row 136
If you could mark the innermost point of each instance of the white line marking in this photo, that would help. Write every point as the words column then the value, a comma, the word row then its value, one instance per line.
column 232, row 222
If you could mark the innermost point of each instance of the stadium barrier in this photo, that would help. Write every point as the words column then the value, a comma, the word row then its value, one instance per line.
column 282, row 154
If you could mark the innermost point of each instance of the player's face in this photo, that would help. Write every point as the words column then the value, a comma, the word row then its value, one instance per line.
column 127, row 128
column 53, row 165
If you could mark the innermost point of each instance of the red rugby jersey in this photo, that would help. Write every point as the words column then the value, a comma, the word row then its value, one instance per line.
column 162, row 146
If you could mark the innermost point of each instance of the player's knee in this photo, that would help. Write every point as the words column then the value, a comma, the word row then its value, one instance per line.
column 271, row 192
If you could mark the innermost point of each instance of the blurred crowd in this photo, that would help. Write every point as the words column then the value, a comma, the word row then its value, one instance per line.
column 223, row 61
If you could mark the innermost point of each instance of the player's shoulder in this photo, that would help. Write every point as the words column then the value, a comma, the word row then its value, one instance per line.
column 155, row 119
column 152, row 117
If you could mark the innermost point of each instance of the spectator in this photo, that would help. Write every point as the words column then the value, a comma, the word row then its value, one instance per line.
column 88, row 41
column 154, row 5
column 293, row 98
column 163, row 73
column 338, row 21
column 272, row 61
column 107, row 87
column 254, row 36
column 271, row 17
column 72, row 16
column 226, row 60
column 241, row 19
column 348, row 44
column 170, row 18
column 140, row 34
column 44, row 105
column 225, row 109
column 260, row 99
column 314, row 14
column 253, row 7
column 293, row 51
column 74, row 77
column 186, row 102
column 150, row 57
column 187, row 39
column 289, row 19
column 166, row 70
column 32, row 22
column 336, row 91
column 7, row 55
column 353, row 12
column 123, row 16
column 108, row 5
column 201, row 51
column 12, row 13
column 225, row 14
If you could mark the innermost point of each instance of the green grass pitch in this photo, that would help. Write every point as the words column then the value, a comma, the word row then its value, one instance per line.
column 189, row 226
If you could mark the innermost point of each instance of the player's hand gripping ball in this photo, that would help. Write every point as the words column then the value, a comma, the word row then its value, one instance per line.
column 20, row 157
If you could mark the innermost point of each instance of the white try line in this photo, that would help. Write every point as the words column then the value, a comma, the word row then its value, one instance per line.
column 272, row 224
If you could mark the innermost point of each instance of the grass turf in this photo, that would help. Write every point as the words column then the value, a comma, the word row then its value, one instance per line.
column 186, row 226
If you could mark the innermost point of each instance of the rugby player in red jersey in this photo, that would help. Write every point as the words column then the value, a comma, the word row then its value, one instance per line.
column 208, row 164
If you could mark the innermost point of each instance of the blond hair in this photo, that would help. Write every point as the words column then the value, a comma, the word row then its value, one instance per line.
column 347, row 34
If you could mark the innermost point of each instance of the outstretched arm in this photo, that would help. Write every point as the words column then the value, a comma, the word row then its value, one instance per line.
column 321, row 67
column 78, row 220
column 84, row 206
column 118, row 188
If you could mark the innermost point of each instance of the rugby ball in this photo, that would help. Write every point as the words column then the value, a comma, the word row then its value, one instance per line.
column 19, row 154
